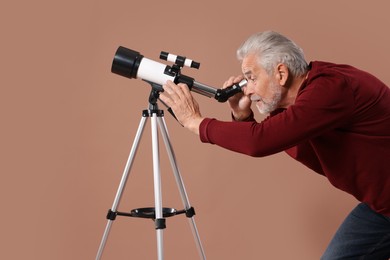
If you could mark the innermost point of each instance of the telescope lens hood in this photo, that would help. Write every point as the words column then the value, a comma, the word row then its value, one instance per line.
column 126, row 62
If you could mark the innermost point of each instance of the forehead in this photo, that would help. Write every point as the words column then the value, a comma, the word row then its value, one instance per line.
column 250, row 65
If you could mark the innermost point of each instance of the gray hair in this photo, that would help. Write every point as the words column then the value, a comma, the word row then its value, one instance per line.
column 273, row 48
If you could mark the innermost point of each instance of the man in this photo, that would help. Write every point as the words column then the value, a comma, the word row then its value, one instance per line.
column 335, row 119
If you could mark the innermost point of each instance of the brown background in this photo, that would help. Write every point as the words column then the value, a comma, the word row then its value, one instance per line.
column 67, row 125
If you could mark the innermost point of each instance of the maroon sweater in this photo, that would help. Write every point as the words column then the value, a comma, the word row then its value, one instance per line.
column 339, row 126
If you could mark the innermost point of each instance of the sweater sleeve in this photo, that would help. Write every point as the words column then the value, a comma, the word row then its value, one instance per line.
column 323, row 103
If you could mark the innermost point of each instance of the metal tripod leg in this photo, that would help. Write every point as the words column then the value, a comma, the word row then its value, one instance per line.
column 157, row 188
column 180, row 185
column 122, row 184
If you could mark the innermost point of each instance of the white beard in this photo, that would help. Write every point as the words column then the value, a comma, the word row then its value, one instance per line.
column 266, row 107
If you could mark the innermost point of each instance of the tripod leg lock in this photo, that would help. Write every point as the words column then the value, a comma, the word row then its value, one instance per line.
column 160, row 223
column 190, row 212
column 111, row 215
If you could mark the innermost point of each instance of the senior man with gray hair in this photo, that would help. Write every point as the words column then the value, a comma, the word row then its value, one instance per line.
column 333, row 118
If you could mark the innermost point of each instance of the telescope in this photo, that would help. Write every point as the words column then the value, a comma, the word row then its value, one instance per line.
column 131, row 64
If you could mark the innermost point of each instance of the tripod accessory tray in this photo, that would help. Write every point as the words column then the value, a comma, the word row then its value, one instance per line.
column 167, row 212
column 150, row 212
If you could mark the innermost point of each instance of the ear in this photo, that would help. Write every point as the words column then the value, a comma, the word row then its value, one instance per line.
column 282, row 74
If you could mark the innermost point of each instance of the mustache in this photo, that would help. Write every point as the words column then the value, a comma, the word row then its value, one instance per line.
column 255, row 98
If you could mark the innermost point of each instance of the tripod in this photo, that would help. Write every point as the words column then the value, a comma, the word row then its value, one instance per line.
column 158, row 213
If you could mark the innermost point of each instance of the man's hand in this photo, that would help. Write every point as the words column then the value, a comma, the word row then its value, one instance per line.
column 183, row 105
column 240, row 104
